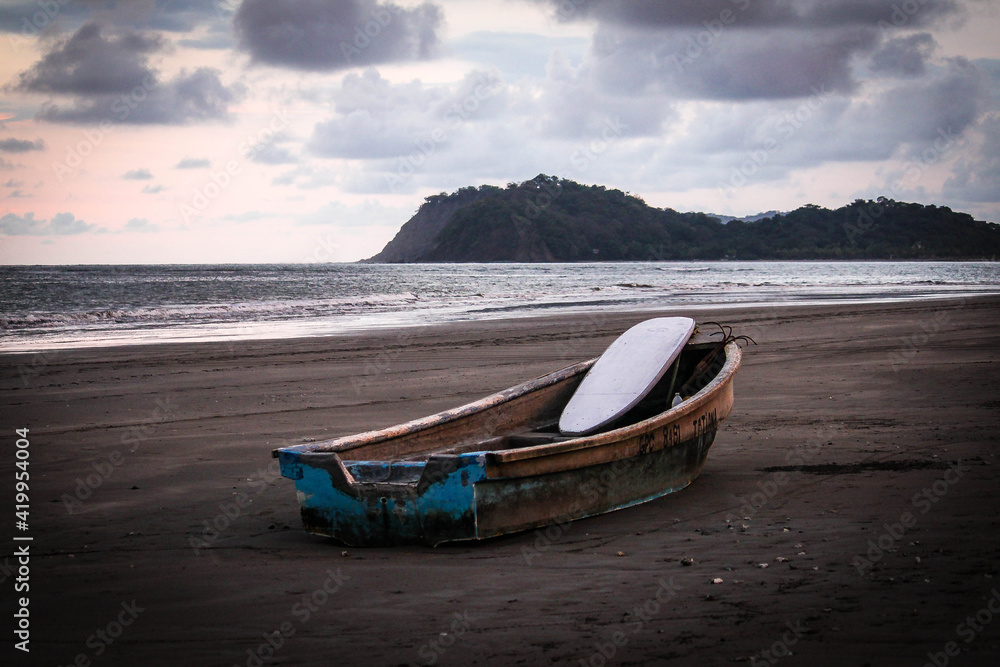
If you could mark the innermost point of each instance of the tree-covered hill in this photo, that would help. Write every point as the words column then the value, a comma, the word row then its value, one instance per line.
column 548, row 219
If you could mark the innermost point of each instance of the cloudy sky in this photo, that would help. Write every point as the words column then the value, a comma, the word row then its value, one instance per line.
column 310, row 130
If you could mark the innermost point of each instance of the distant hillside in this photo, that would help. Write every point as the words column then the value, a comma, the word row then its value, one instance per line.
column 548, row 219
column 746, row 218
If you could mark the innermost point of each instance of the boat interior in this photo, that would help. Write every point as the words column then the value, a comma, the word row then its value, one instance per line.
column 656, row 402
column 537, row 426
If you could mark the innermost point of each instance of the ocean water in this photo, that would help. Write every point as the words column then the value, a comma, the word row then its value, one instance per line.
column 57, row 307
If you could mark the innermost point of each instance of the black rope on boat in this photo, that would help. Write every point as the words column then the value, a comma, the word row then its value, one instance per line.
column 708, row 367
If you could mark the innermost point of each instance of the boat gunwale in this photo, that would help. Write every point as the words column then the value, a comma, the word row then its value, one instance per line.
column 348, row 442
column 345, row 444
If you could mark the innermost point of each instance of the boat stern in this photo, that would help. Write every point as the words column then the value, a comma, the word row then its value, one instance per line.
column 385, row 503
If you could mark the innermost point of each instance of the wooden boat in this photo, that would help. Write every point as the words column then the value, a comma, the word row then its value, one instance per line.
column 499, row 465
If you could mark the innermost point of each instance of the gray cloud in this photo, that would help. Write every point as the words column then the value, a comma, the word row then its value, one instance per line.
column 323, row 36
column 752, row 49
column 516, row 55
column 138, row 175
column 407, row 124
column 189, row 97
column 950, row 99
column 193, row 163
column 109, row 76
column 553, row 124
column 906, row 116
column 754, row 142
column 12, row 145
column 140, row 225
column 17, row 225
column 90, row 63
column 785, row 96
column 904, row 56
column 573, row 104
column 976, row 177
column 736, row 65
column 376, row 118
column 271, row 150
column 31, row 17
column 66, row 223
column 177, row 15
column 754, row 13
column 61, row 224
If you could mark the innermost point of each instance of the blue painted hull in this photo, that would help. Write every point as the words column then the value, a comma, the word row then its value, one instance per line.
column 436, row 506
column 453, row 499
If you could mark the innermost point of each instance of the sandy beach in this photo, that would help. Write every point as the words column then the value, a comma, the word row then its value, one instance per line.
column 849, row 512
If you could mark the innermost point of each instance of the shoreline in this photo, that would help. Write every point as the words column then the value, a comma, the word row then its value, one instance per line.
column 610, row 261
column 569, row 314
column 52, row 309
column 153, row 486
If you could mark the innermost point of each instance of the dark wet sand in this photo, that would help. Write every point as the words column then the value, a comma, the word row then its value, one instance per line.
column 847, row 418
